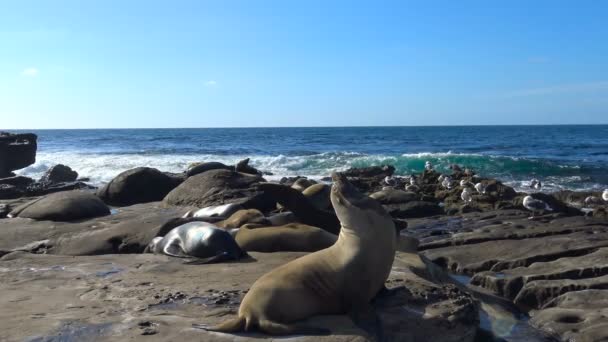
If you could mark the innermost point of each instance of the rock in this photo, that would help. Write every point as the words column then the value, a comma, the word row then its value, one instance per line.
column 499, row 255
column 129, row 230
column 63, row 206
column 39, row 189
column 97, row 298
column 499, row 191
column 555, row 204
column 318, row 195
column 4, row 210
column 575, row 316
column 18, row 181
column 139, row 185
column 413, row 209
column 216, row 187
column 204, row 167
column 371, row 171
column 524, row 286
column 8, row 191
column 394, row 196
column 244, row 167
column 16, row 152
column 58, row 174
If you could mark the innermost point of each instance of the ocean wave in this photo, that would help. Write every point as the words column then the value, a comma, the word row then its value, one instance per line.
column 515, row 171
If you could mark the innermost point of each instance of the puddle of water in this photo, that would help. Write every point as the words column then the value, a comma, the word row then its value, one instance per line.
column 501, row 322
column 111, row 271
column 460, row 278
column 75, row 332
column 114, row 211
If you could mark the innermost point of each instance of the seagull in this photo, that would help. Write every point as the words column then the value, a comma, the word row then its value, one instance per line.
column 440, row 178
column 605, row 195
column 465, row 183
column 413, row 180
column 535, row 184
column 447, row 182
column 388, row 180
column 480, row 188
column 428, row 166
column 535, row 205
column 466, row 195
column 592, row 200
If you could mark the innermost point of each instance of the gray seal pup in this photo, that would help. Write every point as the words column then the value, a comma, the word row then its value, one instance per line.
column 201, row 240
column 341, row 279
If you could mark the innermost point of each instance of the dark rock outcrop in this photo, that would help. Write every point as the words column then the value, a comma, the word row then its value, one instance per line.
column 58, row 174
column 16, row 152
column 63, row 206
column 413, row 209
column 18, row 181
column 219, row 186
column 139, row 185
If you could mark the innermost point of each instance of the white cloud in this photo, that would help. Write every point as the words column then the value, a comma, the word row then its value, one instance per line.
column 210, row 83
column 562, row 89
column 30, row 72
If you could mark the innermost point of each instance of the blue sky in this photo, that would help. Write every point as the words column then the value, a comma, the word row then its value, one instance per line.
column 112, row 64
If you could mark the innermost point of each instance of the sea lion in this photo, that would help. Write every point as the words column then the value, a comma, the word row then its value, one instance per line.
column 242, row 217
column 293, row 237
column 302, row 183
column 198, row 239
column 337, row 280
column 301, row 207
column 318, row 195
column 282, row 219
column 224, row 210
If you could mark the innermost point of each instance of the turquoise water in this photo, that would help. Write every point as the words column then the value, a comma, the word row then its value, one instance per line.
column 564, row 157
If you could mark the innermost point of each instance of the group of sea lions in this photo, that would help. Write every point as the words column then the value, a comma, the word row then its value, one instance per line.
column 353, row 249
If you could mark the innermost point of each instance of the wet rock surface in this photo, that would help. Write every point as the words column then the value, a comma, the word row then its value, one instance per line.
column 157, row 298
column 547, row 266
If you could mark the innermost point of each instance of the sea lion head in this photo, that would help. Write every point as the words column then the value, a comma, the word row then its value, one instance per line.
column 355, row 210
column 153, row 246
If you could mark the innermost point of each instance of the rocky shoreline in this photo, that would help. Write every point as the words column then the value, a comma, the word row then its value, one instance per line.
column 73, row 268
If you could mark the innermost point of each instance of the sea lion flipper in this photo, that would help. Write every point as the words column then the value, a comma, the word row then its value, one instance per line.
column 232, row 326
column 275, row 328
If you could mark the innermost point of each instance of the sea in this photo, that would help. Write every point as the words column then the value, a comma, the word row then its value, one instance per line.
column 562, row 157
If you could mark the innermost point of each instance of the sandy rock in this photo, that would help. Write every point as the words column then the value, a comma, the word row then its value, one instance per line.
column 149, row 297
column 139, row 185
column 63, row 206
column 215, row 187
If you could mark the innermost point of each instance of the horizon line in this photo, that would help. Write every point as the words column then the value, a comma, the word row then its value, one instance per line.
column 258, row 127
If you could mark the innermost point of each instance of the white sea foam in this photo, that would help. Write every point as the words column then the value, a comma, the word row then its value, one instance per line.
column 102, row 167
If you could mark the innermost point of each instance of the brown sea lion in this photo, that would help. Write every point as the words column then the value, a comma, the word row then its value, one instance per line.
column 293, row 237
column 301, row 207
column 318, row 195
column 337, row 280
